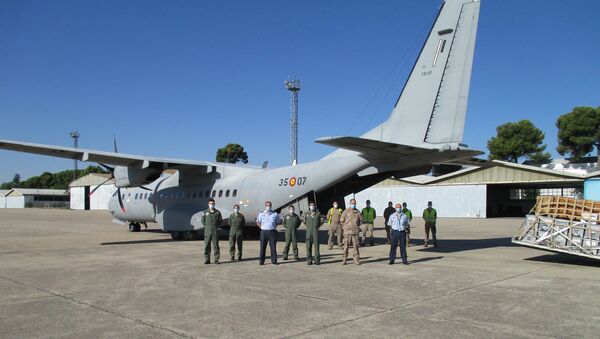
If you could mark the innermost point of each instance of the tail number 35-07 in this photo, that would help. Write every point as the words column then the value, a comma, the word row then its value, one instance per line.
column 293, row 181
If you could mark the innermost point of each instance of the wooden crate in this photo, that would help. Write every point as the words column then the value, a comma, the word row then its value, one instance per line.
column 566, row 208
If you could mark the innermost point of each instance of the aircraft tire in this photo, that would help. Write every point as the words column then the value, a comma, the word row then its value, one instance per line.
column 177, row 235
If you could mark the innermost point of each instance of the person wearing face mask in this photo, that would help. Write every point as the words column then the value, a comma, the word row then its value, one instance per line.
column 386, row 217
column 236, row 223
column 430, row 216
column 398, row 223
column 333, row 219
column 313, row 222
column 268, row 220
column 368, row 215
column 409, row 216
column 351, row 219
column 211, row 219
column 291, row 222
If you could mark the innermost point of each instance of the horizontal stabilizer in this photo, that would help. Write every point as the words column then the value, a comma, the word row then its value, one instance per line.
column 369, row 146
column 376, row 150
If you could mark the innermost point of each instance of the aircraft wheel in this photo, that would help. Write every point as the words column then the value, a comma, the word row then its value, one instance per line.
column 176, row 235
column 137, row 227
column 191, row 235
column 131, row 227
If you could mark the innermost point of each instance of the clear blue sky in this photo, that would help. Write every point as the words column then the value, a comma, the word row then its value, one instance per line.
column 182, row 78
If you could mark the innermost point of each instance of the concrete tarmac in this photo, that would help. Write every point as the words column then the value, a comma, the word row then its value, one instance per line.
column 75, row 274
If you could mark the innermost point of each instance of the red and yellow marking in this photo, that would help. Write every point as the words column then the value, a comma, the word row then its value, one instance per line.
column 292, row 181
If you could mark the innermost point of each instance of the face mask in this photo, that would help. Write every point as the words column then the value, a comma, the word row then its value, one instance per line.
column 334, row 205
column 353, row 205
column 312, row 208
column 398, row 210
column 235, row 210
column 211, row 206
column 268, row 208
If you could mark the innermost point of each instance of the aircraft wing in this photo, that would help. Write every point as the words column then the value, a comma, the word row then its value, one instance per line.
column 109, row 158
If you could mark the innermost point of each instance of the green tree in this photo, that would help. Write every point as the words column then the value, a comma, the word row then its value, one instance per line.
column 16, row 179
column 579, row 132
column 514, row 140
column 232, row 153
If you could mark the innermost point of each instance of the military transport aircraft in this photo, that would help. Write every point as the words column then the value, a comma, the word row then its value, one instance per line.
column 424, row 128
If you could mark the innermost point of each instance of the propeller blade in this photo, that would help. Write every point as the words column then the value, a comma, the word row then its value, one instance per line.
column 120, row 199
column 104, row 182
column 106, row 167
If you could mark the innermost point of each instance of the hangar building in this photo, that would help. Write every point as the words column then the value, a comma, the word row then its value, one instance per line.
column 504, row 189
column 3, row 198
column 33, row 197
column 80, row 192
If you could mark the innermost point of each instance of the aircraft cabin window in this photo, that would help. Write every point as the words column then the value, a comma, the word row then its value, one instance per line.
column 207, row 194
column 128, row 195
column 194, row 195
column 227, row 193
column 135, row 196
column 214, row 194
column 220, row 193
column 235, row 193
column 189, row 195
column 145, row 195
column 123, row 197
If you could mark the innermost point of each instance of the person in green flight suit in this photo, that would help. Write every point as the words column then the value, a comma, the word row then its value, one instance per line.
column 236, row 223
column 291, row 222
column 313, row 221
column 409, row 216
column 430, row 216
column 211, row 219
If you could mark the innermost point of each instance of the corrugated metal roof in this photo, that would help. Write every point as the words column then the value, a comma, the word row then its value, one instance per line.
column 92, row 179
column 35, row 191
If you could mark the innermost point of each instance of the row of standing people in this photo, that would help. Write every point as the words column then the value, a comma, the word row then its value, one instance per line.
column 346, row 223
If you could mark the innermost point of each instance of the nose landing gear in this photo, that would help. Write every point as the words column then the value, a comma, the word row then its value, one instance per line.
column 134, row 227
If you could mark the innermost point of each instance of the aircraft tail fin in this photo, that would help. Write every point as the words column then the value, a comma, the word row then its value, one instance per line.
column 430, row 111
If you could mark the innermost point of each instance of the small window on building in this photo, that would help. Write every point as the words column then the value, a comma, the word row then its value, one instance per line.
column 227, row 193
column 235, row 193
column 521, row 194
column 220, row 193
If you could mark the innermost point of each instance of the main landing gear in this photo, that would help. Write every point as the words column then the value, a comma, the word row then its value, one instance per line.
column 186, row 235
column 134, row 227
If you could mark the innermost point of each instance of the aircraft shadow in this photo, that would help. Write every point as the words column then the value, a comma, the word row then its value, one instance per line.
column 134, row 242
column 460, row 245
column 566, row 259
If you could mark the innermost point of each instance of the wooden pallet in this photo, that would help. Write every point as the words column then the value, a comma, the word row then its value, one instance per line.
column 566, row 208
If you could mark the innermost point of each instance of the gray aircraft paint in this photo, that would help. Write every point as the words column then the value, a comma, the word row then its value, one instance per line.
column 424, row 128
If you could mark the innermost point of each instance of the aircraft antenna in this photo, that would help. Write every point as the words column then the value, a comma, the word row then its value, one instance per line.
column 293, row 85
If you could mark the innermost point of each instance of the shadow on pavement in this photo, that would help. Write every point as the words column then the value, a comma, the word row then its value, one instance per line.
column 133, row 242
column 459, row 245
column 561, row 258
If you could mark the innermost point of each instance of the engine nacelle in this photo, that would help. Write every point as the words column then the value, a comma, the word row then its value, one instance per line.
column 133, row 177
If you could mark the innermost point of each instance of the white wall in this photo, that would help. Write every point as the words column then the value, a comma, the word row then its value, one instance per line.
column 15, row 202
column 77, row 198
column 2, row 202
column 449, row 201
column 98, row 200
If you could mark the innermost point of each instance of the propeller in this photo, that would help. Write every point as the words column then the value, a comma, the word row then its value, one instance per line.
column 112, row 176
